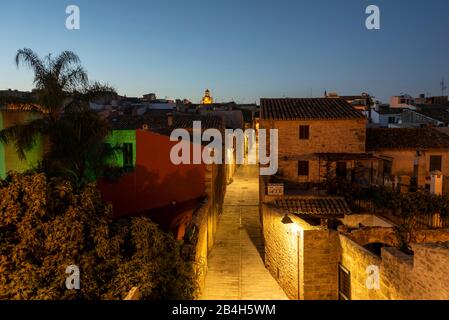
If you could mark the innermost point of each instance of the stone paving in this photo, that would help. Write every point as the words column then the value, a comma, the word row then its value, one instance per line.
column 236, row 269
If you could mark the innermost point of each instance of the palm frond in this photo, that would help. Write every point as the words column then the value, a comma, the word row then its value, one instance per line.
column 64, row 61
column 24, row 135
column 29, row 58
column 98, row 90
column 72, row 79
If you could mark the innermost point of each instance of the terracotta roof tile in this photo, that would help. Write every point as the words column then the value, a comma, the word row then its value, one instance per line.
column 308, row 109
column 159, row 122
column 405, row 138
column 313, row 206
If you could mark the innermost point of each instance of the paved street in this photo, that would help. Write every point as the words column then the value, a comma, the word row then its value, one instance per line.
column 236, row 270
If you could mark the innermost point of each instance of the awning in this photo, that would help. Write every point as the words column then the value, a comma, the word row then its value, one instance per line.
column 346, row 156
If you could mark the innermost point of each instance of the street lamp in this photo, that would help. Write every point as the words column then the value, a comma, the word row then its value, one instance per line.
column 286, row 220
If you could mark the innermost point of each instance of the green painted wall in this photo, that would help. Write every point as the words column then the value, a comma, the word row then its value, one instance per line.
column 116, row 139
column 2, row 152
column 9, row 159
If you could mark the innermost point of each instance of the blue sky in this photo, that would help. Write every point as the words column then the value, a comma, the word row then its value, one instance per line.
column 241, row 50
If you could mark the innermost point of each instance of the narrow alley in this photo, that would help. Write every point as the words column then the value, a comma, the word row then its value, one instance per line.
column 236, row 269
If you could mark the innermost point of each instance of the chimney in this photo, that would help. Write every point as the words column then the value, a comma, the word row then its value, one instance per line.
column 170, row 119
column 436, row 184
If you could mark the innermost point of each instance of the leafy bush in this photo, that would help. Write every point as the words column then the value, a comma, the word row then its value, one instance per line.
column 407, row 207
column 47, row 225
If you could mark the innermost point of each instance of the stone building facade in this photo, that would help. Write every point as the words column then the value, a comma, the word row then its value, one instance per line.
column 309, row 127
column 408, row 153
column 310, row 260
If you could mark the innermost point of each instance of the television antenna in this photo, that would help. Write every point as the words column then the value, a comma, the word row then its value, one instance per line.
column 443, row 87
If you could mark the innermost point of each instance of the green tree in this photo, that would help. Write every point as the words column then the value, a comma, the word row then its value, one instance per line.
column 73, row 133
column 47, row 225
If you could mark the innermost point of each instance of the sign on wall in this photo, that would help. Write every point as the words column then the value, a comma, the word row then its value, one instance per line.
column 275, row 189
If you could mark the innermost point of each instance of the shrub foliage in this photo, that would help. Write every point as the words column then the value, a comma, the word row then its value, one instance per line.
column 47, row 225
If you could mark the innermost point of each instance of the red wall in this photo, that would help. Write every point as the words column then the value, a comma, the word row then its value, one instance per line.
column 155, row 182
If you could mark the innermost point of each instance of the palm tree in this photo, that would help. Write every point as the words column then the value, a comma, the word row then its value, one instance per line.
column 62, row 99
column 79, row 149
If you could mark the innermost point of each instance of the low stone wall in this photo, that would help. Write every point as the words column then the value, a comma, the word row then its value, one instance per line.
column 432, row 236
column 200, row 235
column 401, row 277
column 367, row 220
column 367, row 235
column 356, row 260
column 196, row 244
column 423, row 278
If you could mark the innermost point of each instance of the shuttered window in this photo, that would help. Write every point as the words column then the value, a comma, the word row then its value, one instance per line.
column 344, row 283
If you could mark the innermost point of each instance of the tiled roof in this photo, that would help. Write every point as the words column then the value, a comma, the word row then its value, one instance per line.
column 308, row 109
column 405, row 138
column 313, row 206
column 159, row 121
column 437, row 112
column 391, row 111
column 153, row 118
column 207, row 121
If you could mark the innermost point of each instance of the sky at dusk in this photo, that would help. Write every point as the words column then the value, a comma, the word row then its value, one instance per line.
column 240, row 50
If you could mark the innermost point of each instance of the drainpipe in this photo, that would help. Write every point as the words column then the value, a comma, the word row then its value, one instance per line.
column 297, row 236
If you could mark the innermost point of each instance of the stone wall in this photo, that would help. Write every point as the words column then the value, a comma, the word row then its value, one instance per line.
column 215, row 190
column 197, row 243
column 386, row 235
column 356, row 259
column 422, row 276
column 312, row 257
column 201, row 231
column 331, row 136
column 368, row 220
column 281, row 250
column 321, row 252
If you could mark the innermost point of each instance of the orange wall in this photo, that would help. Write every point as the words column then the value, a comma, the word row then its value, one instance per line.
column 155, row 182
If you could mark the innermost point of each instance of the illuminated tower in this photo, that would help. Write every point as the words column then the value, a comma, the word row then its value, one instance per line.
column 207, row 99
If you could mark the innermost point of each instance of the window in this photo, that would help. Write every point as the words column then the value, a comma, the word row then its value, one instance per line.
column 342, row 171
column 392, row 120
column 303, row 168
column 128, row 161
column 388, row 167
column 435, row 163
column 304, row 132
column 344, row 283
